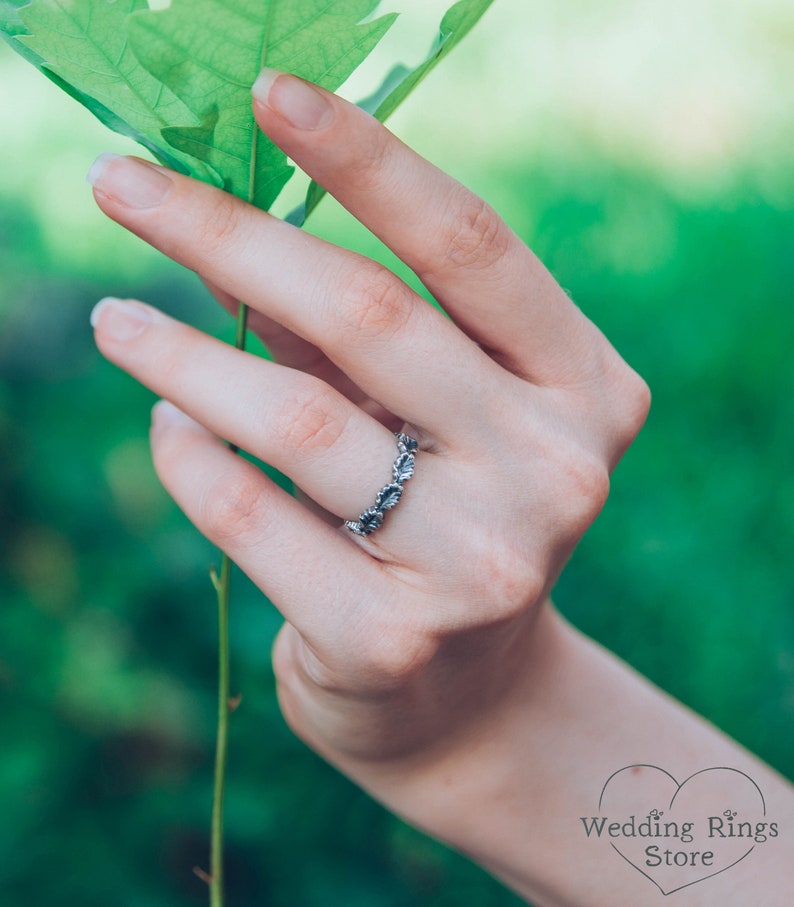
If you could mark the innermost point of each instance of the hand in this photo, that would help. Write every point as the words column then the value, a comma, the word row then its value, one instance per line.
column 398, row 644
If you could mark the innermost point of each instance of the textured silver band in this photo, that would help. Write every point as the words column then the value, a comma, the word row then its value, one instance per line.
column 389, row 496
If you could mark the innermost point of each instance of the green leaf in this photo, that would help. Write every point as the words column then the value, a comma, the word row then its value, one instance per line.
column 82, row 47
column 401, row 81
column 178, row 80
column 456, row 24
column 209, row 52
column 10, row 22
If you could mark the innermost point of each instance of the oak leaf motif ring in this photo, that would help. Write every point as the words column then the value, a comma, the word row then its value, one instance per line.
column 389, row 496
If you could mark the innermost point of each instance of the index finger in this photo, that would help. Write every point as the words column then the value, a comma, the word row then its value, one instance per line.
column 486, row 278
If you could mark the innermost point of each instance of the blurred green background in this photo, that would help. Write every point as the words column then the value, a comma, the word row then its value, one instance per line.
column 643, row 149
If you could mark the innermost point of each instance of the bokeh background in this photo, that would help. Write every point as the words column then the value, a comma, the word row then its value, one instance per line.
column 644, row 150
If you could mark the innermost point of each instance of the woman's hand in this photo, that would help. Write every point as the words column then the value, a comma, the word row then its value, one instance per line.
column 405, row 642
column 421, row 659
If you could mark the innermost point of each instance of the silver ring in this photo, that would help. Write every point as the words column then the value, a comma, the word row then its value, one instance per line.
column 389, row 496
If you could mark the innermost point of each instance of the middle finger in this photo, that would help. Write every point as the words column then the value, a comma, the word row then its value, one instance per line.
column 384, row 336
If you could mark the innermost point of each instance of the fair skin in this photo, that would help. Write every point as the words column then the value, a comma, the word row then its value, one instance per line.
column 425, row 661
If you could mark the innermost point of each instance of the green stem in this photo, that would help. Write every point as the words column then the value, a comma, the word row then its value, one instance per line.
column 242, row 326
column 223, row 588
column 222, row 739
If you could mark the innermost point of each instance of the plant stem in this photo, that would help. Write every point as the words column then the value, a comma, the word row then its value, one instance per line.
column 242, row 327
column 223, row 589
column 222, row 738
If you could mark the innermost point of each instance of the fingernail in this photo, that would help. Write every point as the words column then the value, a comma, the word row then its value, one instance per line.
column 298, row 102
column 165, row 413
column 120, row 319
column 129, row 180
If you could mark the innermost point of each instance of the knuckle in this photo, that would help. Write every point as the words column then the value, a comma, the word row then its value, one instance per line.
column 387, row 658
column 477, row 238
column 287, row 657
column 507, row 579
column 626, row 408
column 294, row 663
column 231, row 509
column 395, row 656
column 371, row 302
column 320, row 675
column 216, row 234
column 585, row 480
column 638, row 400
column 368, row 157
column 306, row 423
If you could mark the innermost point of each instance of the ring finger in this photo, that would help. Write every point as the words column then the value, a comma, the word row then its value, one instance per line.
column 336, row 453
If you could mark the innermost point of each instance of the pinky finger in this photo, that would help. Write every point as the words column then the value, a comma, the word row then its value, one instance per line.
column 312, row 573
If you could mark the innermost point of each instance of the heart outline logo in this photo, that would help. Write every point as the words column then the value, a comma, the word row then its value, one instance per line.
column 679, row 787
